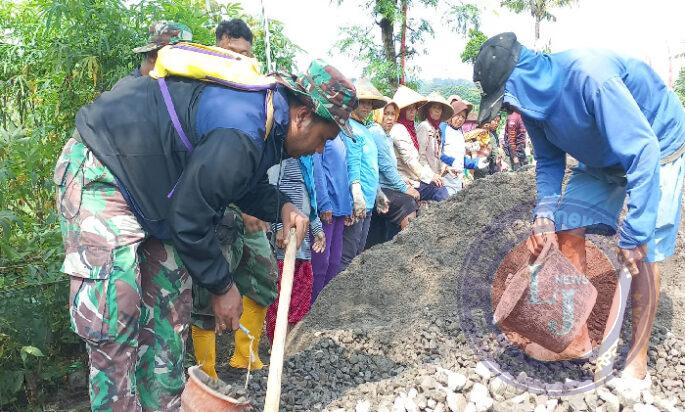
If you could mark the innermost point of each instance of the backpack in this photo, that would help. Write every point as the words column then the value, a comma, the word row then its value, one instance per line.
column 215, row 65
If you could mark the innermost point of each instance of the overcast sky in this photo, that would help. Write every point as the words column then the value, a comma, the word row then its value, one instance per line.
column 645, row 29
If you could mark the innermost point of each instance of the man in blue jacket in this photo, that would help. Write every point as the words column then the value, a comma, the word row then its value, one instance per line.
column 626, row 129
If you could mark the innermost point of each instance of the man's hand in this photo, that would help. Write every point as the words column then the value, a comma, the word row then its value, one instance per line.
column 542, row 232
column 293, row 218
column 319, row 245
column 254, row 225
column 227, row 310
column 359, row 205
column 280, row 239
column 413, row 192
column 437, row 180
column 515, row 160
column 632, row 258
column 382, row 202
column 350, row 220
column 326, row 217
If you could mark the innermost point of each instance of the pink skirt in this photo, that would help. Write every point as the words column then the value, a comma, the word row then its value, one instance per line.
column 300, row 300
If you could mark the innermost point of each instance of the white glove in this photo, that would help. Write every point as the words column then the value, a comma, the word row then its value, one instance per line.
column 358, row 202
column 483, row 162
column 382, row 202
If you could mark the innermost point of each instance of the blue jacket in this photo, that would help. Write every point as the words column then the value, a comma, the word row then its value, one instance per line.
column 330, row 176
column 387, row 162
column 607, row 111
column 366, row 170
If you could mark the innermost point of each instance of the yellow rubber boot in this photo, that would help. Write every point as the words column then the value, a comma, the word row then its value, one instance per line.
column 204, row 342
column 253, row 319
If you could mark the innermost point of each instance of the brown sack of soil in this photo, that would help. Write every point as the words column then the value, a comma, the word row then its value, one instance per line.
column 547, row 302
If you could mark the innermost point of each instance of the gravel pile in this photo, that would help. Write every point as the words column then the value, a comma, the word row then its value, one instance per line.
column 391, row 334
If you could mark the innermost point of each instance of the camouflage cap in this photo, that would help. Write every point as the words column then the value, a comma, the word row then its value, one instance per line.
column 163, row 33
column 330, row 94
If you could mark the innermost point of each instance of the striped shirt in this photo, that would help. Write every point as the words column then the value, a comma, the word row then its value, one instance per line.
column 288, row 177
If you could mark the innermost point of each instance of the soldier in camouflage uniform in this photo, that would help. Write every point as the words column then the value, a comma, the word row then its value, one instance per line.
column 250, row 254
column 250, row 257
column 139, row 215
column 128, row 295
column 161, row 33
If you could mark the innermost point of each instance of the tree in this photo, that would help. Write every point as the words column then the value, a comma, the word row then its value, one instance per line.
column 539, row 9
column 476, row 39
column 400, row 37
column 463, row 17
column 56, row 56
column 679, row 86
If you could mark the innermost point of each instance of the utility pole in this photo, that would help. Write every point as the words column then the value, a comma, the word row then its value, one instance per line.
column 269, row 66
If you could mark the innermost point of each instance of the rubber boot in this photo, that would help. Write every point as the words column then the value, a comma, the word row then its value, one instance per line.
column 253, row 319
column 204, row 342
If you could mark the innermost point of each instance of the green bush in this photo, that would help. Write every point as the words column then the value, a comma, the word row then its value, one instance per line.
column 57, row 56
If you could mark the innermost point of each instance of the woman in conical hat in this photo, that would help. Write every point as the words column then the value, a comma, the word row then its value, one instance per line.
column 362, row 165
column 420, row 176
column 453, row 153
column 434, row 112
column 402, row 197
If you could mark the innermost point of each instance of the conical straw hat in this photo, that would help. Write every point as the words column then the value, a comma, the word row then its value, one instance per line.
column 405, row 96
column 366, row 91
column 463, row 104
column 435, row 97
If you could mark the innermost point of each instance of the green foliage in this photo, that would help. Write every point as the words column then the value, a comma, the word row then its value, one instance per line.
column 447, row 87
column 464, row 17
column 538, row 9
column 58, row 56
column 475, row 41
column 679, row 86
column 382, row 61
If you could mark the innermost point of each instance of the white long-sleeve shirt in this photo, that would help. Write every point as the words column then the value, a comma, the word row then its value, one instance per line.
column 408, row 163
column 455, row 147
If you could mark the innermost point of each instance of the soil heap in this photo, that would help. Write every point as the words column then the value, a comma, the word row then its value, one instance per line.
column 391, row 333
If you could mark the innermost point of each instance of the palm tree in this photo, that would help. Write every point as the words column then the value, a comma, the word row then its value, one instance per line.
column 539, row 9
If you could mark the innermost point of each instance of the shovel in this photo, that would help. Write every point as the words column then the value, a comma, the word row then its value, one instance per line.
column 612, row 330
column 273, row 384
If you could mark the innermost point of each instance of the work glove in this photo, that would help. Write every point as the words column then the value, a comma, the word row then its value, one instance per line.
column 382, row 202
column 483, row 162
column 359, row 205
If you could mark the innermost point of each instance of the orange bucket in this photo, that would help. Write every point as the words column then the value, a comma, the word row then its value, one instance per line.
column 197, row 396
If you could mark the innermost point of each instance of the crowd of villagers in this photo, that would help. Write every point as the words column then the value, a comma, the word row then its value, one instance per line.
column 391, row 158
column 406, row 152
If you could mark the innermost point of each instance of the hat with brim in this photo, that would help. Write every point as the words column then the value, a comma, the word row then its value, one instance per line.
column 326, row 91
column 163, row 33
column 435, row 97
column 367, row 91
column 405, row 97
column 459, row 104
column 494, row 64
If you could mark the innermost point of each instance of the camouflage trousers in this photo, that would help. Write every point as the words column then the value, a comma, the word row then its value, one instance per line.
column 251, row 260
column 130, row 296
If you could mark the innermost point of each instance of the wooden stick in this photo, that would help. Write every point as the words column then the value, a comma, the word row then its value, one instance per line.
column 612, row 331
column 273, row 384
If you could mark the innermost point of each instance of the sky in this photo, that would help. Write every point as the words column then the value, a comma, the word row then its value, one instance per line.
column 650, row 30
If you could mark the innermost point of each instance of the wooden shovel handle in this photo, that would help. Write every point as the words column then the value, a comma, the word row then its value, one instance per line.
column 273, row 385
